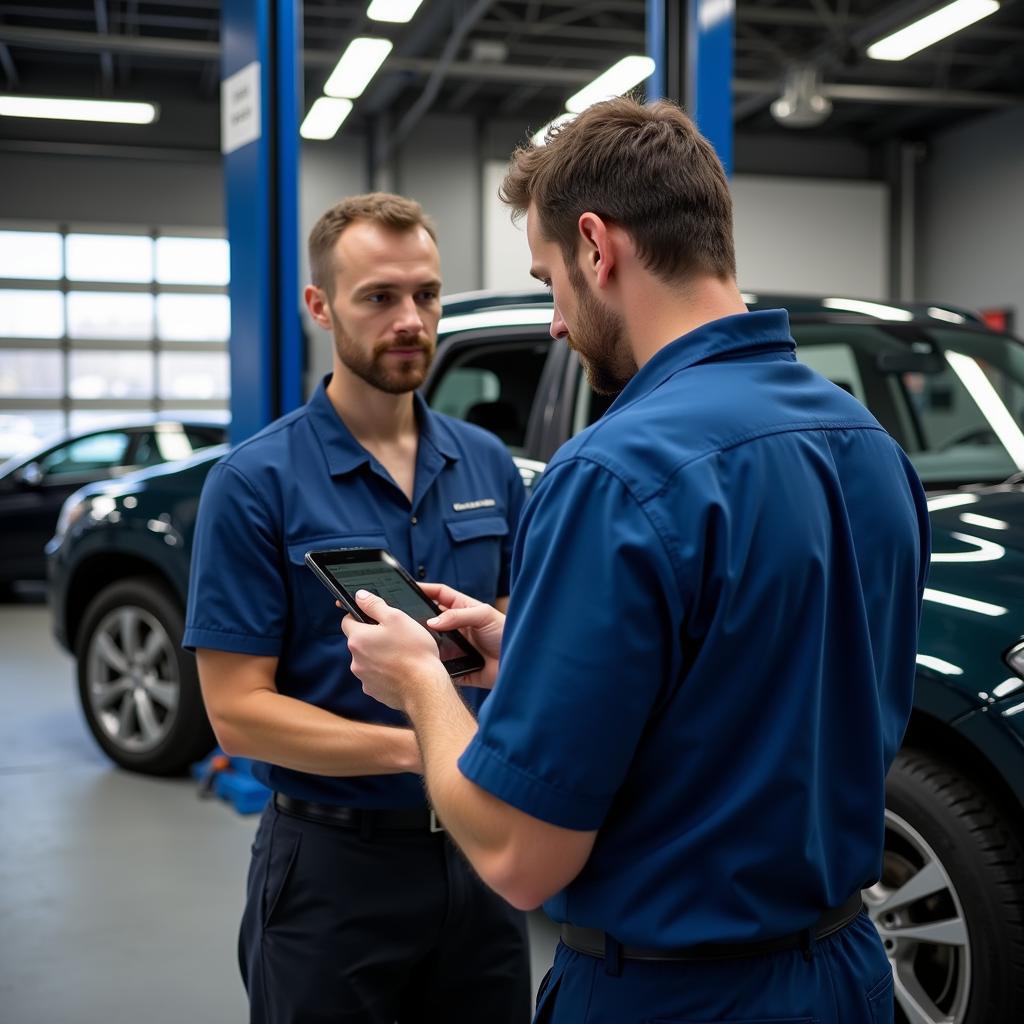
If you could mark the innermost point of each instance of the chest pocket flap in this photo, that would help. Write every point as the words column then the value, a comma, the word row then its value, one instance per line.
column 480, row 526
column 476, row 553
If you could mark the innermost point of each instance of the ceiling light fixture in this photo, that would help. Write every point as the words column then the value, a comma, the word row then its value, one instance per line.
column 396, row 11
column 358, row 64
column 325, row 117
column 930, row 29
column 802, row 103
column 618, row 79
column 109, row 111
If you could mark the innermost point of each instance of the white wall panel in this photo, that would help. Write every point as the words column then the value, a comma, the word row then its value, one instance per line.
column 813, row 237
column 800, row 235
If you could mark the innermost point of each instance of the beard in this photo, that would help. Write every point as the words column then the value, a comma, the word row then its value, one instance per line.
column 381, row 371
column 599, row 339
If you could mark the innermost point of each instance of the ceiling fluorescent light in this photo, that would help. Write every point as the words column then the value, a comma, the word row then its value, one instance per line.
column 359, row 63
column 618, row 79
column 928, row 30
column 325, row 118
column 111, row 111
column 539, row 138
column 396, row 11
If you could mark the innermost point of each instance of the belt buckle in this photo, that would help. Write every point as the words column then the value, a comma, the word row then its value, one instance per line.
column 435, row 824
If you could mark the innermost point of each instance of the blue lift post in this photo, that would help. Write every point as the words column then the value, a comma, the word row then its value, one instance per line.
column 692, row 44
column 260, row 104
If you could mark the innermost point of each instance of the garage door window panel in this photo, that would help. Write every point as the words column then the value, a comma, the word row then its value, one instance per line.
column 32, row 255
column 30, row 373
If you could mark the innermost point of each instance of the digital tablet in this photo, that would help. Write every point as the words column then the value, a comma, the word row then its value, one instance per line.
column 347, row 570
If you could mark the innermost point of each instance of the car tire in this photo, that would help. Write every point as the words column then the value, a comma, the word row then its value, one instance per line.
column 139, row 690
column 949, row 906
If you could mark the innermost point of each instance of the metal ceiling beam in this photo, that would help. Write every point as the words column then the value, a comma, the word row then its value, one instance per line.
column 7, row 63
column 904, row 95
column 388, row 145
column 58, row 40
column 106, row 59
column 584, row 32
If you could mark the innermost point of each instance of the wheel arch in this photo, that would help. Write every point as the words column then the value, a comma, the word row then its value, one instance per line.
column 944, row 742
column 94, row 574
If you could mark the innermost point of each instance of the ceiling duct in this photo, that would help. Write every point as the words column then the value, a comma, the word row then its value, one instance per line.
column 802, row 103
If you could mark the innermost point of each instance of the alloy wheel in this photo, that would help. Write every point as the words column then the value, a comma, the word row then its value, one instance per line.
column 920, row 918
column 133, row 680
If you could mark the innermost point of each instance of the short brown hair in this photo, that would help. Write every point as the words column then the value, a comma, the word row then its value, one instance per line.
column 645, row 168
column 384, row 208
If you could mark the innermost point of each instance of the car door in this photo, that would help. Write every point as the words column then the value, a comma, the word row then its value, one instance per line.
column 29, row 510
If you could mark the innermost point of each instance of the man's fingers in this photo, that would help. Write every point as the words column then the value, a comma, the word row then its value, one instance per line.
column 441, row 593
column 474, row 617
column 373, row 605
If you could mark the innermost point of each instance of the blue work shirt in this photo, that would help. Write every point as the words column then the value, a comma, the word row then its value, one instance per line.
column 710, row 649
column 305, row 483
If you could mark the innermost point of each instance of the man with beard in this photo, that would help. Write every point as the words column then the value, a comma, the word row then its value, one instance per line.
column 359, row 908
column 709, row 657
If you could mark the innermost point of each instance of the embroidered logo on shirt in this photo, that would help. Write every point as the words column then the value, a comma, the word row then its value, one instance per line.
column 468, row 506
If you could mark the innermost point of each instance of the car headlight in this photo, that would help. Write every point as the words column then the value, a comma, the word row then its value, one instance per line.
column 71, row 511
column 1014, row 657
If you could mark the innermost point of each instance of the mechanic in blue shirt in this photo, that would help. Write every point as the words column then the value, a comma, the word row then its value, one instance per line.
column 359, row 909
column 708, row 662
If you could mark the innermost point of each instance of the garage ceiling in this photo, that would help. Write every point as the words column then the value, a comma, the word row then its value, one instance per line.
column 508, row 59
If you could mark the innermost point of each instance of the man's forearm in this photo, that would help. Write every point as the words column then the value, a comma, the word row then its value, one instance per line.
column 269, row 726
column 487, row 830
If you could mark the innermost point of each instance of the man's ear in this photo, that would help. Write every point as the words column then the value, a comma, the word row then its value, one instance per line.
column 318, row 306
column 598, row 248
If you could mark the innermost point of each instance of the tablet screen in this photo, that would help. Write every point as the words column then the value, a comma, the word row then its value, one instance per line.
column 381, row 579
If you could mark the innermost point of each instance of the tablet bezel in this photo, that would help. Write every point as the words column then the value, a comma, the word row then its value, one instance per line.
column 318, row 561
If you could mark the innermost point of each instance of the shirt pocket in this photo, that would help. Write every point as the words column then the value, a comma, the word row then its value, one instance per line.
column 313, row 609
column 477, row 546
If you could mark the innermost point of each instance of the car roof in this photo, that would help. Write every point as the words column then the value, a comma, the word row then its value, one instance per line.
column 462, row 311
column 134, row 422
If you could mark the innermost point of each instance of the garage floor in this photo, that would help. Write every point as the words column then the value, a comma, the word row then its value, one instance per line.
column 119, row 895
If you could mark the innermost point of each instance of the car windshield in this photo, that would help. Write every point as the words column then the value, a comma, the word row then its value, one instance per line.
column 953, row 398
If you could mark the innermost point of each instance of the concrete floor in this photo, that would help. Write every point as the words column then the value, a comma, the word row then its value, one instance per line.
column 120, row 895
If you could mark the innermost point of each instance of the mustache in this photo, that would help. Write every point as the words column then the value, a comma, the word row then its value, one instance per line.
column 422, row 344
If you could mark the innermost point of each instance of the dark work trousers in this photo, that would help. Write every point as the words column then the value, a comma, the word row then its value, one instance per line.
column 354, row 928
column 845, row 979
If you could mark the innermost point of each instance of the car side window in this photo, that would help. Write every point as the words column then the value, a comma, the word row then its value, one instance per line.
column 204, row 437
column 493, row 386
column 86, row 454
column 589, row 406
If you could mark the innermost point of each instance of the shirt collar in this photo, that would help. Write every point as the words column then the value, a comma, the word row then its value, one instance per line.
column 766, row 329
column 344, row 453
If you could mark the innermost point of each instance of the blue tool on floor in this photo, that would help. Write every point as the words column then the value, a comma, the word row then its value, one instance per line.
column 231, row 779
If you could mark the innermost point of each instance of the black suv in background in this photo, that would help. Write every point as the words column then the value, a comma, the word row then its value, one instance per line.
column 948, row 906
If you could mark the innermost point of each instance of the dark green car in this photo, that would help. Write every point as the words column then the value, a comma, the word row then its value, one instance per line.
column 950, row 905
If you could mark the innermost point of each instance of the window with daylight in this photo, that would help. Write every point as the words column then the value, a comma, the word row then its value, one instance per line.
column 100, row 328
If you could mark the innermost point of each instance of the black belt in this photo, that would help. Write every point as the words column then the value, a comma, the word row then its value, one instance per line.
column 593, row 941
column 413, row 819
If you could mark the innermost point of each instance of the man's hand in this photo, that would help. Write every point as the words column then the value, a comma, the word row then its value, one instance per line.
column 481, row 624
column 395, row 659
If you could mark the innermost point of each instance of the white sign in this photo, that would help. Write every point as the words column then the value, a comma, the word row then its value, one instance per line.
column 240, row 108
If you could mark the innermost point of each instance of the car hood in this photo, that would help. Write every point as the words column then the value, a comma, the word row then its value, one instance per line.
column 974, row 603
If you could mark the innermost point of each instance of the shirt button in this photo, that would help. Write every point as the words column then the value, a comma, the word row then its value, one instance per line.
column 422, row 572
column 414, row 520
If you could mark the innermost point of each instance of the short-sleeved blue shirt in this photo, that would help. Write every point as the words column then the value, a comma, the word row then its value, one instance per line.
column 305, row 483
column 710, row 651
